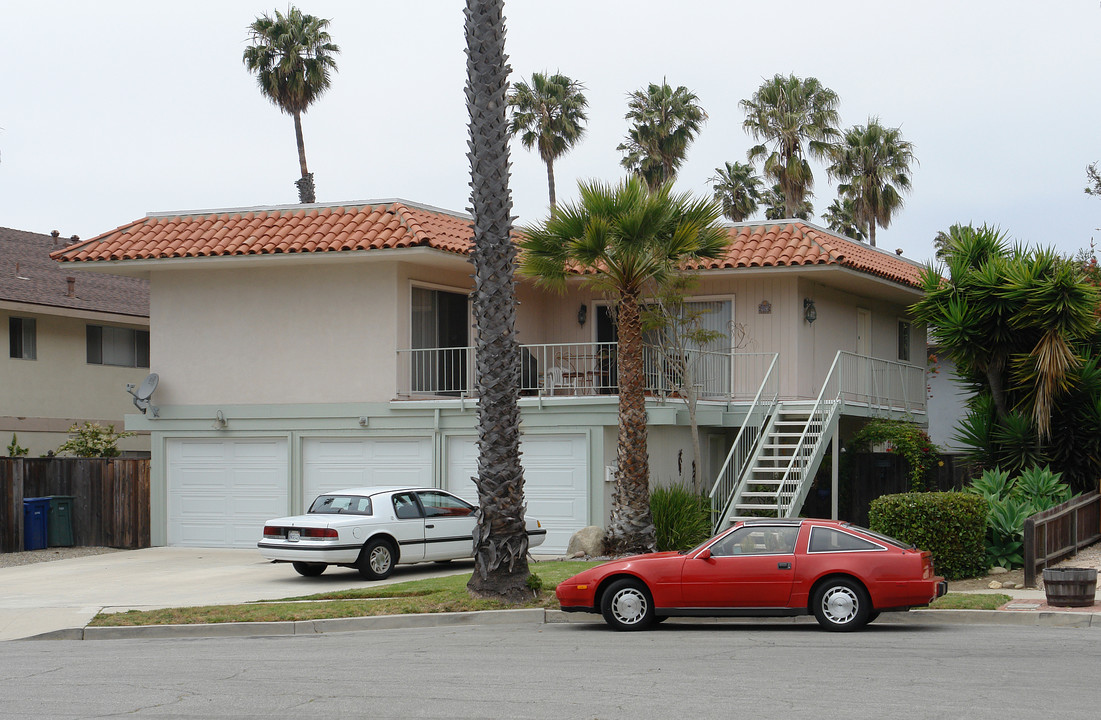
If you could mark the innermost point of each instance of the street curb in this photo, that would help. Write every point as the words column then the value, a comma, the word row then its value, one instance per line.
column 541, row 616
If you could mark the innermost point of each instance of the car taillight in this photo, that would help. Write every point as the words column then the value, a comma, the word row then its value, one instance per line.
column 321, row 533
column 272, row 531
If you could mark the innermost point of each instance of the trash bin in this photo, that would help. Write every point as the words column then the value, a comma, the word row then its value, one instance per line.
column 60, row 523
column 35, row 514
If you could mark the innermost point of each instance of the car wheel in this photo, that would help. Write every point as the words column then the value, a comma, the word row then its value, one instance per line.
column 376, row 562
column 309, row 569
column 841, row 604
column 626, row 605
column 872, row 616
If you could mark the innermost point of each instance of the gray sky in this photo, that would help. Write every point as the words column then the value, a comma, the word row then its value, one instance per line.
column 112, row 109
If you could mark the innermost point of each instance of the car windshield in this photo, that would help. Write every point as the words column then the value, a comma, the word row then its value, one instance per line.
column 346, row 504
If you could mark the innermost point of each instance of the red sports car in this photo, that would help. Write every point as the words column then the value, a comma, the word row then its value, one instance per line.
column 845, row 575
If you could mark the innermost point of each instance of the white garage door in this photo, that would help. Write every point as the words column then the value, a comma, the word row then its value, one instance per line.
column 556, row 482
column 334, row 463
column 221, row 491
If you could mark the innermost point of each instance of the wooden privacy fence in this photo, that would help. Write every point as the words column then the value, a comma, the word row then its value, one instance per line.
column 110, row 506
column 1060, row 532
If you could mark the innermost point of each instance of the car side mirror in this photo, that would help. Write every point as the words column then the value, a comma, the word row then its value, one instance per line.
column 705, row 555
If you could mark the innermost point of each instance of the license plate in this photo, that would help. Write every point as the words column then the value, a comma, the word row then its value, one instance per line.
column 294, row 535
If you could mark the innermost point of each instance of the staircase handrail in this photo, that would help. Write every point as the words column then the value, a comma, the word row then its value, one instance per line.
column 756, row 405
column 815, row 411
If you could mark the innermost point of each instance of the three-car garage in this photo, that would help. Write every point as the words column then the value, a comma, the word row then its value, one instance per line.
column 221, row 490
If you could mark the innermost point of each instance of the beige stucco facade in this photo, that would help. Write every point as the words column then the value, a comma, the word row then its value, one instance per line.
column 41, row 399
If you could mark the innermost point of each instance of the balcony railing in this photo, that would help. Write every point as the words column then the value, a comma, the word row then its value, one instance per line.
column 578, row 369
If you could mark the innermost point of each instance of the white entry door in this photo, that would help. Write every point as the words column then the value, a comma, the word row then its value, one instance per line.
column 336, row 463
column 221, row 490
column 556, row 482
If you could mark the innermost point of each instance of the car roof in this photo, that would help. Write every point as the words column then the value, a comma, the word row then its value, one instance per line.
column 378, row 490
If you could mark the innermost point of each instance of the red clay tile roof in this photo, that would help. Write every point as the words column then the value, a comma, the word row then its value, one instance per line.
column 399, row 224
column 265, row 231
column 28, row 275
column 792, row 244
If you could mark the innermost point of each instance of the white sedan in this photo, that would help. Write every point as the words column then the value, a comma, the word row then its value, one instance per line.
column 374, row 528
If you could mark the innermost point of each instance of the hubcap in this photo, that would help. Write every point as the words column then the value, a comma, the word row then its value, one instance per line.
column 629, row 606
column 380, row 559
column 840, row 605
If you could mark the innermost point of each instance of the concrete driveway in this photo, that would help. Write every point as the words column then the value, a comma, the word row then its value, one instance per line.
column 61, row 594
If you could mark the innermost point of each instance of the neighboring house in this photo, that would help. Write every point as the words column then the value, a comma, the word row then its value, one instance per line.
column 305, row 348
column 75, row 340
column 947, row 402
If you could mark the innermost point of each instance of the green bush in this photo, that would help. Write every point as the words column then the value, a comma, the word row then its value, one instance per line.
column 93, row 440
column 1011, row 501
column 950, row 525
column 682, row 519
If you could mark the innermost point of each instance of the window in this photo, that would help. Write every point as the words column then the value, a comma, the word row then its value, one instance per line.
column 439, row 323
column 123, row 347
column 830, row 540
column 437, row 504
column 758, row 540
column 405, row 506
column 904, row 340
column 21, row 338
column 349, row 504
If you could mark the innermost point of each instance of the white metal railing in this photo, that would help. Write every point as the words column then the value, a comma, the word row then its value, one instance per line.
column 880, row 384
column 745, row 443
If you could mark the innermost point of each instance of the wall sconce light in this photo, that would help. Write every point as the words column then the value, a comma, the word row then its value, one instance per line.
column 582, row 314
column 363, row 421
column 220, row 421
column 808, row 310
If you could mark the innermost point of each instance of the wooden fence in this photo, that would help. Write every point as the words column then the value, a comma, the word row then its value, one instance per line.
column 1060, row 532
column 110, row 505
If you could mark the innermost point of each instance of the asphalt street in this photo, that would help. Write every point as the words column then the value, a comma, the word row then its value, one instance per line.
column 567, row 671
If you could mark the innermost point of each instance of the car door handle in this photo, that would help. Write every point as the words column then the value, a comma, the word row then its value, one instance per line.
column 784, row 566
column 428, row 527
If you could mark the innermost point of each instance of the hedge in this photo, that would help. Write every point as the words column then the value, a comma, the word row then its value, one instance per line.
column 950, row 525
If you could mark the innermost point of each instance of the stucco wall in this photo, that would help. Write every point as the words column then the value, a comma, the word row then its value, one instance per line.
column 41, row 398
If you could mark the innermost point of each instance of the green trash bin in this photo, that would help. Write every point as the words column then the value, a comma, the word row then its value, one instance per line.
column 60, row 526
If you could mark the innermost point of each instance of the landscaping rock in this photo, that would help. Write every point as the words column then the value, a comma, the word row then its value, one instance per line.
column 998, row 570
column 588, row 541
column 995, row 585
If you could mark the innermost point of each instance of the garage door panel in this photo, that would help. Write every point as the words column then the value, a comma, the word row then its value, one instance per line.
column 556, row 482
column 220, row 492
column 334, row 463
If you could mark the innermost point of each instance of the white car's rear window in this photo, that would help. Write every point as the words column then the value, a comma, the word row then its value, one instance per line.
column 346, row 504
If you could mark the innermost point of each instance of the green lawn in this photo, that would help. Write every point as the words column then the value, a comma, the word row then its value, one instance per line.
column 435, row 595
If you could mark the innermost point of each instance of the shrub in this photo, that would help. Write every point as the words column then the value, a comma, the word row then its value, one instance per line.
column 904, row 438
column 682, row 519
column 1011, row 501
column 950, row 525
column 93, row 440
column 15, row 449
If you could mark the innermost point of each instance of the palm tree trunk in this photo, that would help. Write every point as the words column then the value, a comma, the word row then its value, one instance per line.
column 500, row 538
column 631, row 529
column 306, row 192
column 550, row 182
column 871, row 233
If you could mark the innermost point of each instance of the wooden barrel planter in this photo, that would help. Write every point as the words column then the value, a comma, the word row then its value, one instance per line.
column 1070, row 587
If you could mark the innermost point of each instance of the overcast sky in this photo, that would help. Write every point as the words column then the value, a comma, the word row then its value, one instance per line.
column 113, row 109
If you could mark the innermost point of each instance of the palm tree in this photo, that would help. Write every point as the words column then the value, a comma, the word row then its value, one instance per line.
column 798, row 118
column 737, row 189
column 627, row 241
column 664, row 123
column 776, row 205
column 500, row 539
column 839, row 217
column 873, row 164
column 548, row 114
column 292, row 56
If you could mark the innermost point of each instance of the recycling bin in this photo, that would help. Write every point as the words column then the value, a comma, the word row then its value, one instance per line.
column 35, row 518
column 60, row 523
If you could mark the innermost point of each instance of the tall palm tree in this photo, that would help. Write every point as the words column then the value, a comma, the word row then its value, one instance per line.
column 776, row 205
column 664, row 123
column 840, row 217
column 292, row 56
column 798, row 119
column 548, row 114
column 500, row 539
column 627, row 241
column 873, row 164
column 737, row 189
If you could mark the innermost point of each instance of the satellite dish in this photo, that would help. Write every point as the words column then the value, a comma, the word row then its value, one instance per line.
column 144, row 393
